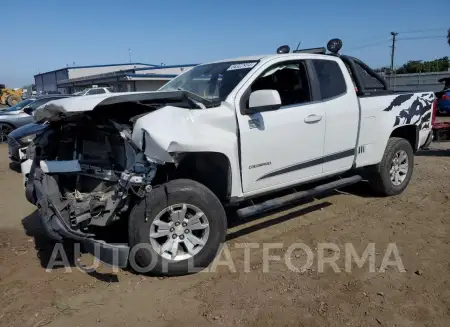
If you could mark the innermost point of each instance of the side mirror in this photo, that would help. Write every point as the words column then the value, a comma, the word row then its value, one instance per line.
column 28, row 110
column 263, row 100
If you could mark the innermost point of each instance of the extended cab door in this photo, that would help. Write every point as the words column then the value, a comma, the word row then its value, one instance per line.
column 281, row 147
column 340, row 103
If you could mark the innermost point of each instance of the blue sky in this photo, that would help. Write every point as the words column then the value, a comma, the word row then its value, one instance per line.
column 43, row 35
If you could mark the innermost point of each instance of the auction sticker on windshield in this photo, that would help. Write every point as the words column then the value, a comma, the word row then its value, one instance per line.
column 244, row 65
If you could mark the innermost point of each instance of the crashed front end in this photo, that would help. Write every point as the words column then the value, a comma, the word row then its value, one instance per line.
column 87, row 172
column 84, row 175
column 103, row 155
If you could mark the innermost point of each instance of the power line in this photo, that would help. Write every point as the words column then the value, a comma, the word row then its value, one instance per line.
column 369, row 45
column 422, row 37
column 422, row 31
column 385, row 41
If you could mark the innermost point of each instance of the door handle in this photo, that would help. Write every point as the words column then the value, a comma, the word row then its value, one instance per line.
column 313, row 119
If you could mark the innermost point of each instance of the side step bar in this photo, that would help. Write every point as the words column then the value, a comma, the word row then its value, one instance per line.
column 292, row 198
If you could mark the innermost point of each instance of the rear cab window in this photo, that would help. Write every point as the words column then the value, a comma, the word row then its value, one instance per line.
column 369, row 82
column 331, row 80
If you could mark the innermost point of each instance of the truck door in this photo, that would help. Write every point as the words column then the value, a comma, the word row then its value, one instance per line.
column 340, row 102
column 283, row 146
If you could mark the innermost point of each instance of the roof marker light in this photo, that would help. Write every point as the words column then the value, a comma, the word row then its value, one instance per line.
column 283, row 49
column 334, row 45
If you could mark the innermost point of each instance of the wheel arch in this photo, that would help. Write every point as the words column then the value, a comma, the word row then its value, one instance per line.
column 7, row 123
column 409, row 133
column 212, row 169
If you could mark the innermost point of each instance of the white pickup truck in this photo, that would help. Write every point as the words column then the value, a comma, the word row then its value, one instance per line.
column 220, row 134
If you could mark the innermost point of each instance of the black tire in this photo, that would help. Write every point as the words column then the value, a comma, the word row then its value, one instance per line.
column 5, row 129
column 175, row 192
column 379, row 177
column 12, row 100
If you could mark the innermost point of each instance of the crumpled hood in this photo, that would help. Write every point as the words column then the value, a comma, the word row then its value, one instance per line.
column 63, row 108
column 163, row 131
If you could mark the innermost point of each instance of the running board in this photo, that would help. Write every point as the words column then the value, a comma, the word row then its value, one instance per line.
column 292, row 198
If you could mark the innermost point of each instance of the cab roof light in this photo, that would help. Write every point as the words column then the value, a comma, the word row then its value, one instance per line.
column 321, row 50
column 333, row 46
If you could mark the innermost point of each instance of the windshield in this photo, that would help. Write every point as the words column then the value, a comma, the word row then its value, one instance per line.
column 211, row 81
column 81, row 92
column 20, row 105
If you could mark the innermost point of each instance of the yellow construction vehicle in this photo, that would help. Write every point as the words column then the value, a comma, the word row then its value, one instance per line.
column 10, row 96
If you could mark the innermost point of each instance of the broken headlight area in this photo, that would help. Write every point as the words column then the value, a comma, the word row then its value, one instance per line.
column 86, row 174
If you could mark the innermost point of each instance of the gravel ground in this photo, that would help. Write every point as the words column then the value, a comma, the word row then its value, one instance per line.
column 417, row 222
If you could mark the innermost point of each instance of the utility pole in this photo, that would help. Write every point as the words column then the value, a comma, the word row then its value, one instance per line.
column 129, row 54
column 394, row 34
column 392, row 75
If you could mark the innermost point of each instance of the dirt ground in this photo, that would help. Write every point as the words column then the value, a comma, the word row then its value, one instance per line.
column 417, row 222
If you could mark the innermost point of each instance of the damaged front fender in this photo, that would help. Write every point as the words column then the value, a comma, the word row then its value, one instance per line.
column 162, row 133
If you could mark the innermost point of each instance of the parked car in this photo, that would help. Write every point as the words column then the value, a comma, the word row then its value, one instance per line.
column 444, row 97
column 19, row 105
column 169, row 167
column 21, row 114
column 95, row 90
column 49, row 92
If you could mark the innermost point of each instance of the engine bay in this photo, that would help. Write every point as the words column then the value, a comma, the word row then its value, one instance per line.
column 89, row 167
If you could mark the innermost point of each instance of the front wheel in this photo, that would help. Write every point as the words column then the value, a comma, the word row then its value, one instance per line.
column 12, row 100
column 392, row 175
column 178, row 229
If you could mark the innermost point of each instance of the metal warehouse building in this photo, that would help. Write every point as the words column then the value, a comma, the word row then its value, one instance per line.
column 121, row 77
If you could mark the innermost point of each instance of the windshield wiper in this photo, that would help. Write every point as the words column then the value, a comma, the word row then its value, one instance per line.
column 196, row 97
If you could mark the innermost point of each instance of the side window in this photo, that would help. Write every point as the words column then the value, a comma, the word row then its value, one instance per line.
column 95, row 91
column 38, row 103
column 331, row 80
column 368, row 81
column 290, row 79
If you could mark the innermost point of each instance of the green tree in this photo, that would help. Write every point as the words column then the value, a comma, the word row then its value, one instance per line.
column 419, row 66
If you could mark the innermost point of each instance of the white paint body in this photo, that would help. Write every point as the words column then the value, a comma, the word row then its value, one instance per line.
column 286, row 137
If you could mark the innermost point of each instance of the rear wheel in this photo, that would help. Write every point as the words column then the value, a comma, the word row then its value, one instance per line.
column 392, row 175
column 5, row 129
column 12, row 100
column 178, row 229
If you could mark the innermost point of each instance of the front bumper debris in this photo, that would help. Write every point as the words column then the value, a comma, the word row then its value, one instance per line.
column 58, row 229
column 14, row 150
